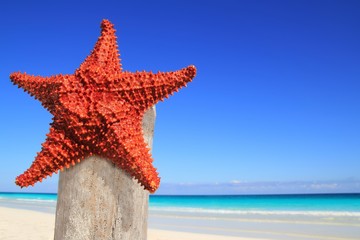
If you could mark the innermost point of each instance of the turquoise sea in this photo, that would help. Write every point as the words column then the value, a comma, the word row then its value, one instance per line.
column 280, row 217
column 294, row 204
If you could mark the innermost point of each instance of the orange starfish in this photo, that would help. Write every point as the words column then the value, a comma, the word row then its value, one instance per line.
column 98, row 111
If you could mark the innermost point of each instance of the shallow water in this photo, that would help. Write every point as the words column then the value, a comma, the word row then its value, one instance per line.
column 323, row 216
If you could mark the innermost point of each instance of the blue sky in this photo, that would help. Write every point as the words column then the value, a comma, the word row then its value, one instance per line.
column 274, row 107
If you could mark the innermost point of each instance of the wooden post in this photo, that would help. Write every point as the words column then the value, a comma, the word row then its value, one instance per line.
column 97, row 200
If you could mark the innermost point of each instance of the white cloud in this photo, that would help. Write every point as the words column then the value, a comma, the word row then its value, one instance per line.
column 235, row 182
column 242, row 187
column 324, row 185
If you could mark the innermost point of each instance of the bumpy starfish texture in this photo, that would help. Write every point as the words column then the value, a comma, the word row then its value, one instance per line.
column 98, row 111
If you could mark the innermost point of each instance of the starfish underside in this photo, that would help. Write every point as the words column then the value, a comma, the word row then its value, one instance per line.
column 98, row 110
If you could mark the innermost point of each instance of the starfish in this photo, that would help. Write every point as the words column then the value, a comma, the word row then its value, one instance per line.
column 98, row 110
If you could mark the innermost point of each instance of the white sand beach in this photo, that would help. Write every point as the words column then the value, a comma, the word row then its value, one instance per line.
column 25, row 224
column 19, row 224
column 156, row 234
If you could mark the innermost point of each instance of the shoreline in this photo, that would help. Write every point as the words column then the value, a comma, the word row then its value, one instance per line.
column 40, row 226
column 162, row 226
column 300, row 217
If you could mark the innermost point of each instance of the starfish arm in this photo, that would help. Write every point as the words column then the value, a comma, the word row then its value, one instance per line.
column 57, row 153
column 146, row 89
column 42, row 88
column 132, row 155
column 104, row 58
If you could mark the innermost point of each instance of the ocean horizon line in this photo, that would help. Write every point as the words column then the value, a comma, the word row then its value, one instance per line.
column 240, row 194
